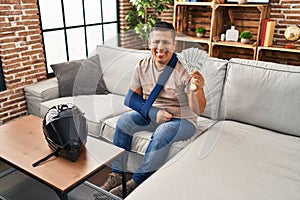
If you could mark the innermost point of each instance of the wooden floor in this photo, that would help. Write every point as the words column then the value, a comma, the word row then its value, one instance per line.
column 100, row 177
column 3, row 167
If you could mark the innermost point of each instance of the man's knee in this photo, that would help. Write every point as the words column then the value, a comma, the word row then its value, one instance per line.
column 162, row 137
column 122, row 120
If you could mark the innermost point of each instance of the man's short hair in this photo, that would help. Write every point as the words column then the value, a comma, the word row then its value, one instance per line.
column 163, row 26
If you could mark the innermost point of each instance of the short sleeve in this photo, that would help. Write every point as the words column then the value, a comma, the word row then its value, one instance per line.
column 135, row 79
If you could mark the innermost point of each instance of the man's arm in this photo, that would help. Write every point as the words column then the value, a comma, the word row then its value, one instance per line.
column 136, row 90
column 156, row 114
column 134, row 100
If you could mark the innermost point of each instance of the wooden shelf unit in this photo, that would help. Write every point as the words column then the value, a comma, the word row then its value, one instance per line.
column 187, row 17
column 216, row 19
column 227, row 50
column 279, row 54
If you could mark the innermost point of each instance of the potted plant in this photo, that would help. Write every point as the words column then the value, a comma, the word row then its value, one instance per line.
column 245, row 37
column 200, row 31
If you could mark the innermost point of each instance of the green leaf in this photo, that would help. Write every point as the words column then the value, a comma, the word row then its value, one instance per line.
column 139, row 18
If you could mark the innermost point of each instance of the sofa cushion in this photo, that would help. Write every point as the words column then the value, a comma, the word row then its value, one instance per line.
column 80, row 77
column 141, row 139
column 243, row 162
column 117, row 65
column 97, row 108
column 213, row 72
column 40, row 92
column 263, row 94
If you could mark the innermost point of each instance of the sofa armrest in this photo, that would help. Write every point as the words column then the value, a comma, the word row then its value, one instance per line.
column 39, row 92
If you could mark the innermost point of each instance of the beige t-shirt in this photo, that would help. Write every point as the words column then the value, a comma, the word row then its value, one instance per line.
column 173, row 97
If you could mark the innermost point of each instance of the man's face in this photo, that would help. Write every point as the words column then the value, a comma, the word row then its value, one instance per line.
column 162, row 46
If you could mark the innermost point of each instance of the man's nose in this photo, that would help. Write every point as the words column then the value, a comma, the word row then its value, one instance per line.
column 160, row 45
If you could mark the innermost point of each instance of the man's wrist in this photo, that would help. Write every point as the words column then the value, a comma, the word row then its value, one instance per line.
column 152, row 113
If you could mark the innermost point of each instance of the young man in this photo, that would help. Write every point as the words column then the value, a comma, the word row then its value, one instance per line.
column 171, row 118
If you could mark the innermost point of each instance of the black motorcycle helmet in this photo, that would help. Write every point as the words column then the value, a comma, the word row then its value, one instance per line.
column 65, row 130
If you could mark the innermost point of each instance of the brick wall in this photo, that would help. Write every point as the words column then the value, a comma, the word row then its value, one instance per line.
column 128, row 38
column 285, row 13
column 21, row 52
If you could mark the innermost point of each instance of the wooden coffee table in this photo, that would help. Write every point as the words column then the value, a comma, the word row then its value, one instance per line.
column 22, row 143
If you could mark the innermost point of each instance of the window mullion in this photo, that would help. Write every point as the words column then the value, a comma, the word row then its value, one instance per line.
column 102, row 25
column 65, row 30
column 84, row 27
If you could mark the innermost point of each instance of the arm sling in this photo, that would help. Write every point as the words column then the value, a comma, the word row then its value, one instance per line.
column 137, row 103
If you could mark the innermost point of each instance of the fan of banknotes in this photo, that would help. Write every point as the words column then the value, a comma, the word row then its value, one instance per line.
column 192, row 58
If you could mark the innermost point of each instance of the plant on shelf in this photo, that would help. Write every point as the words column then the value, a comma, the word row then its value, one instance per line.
column 144, row 14
column 245, row 37
column 200, row 31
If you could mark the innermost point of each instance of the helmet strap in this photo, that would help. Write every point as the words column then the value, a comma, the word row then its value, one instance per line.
column 55, row 153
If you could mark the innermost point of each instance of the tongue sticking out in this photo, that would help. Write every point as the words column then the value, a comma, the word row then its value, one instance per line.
column 160, row 54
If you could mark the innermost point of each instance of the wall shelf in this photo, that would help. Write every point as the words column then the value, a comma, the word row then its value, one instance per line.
column 193, row 3
column 241, row 5
column 279, row 54
column 216, row 19
column 235, row 44
column 280, row 48
column 186, row 38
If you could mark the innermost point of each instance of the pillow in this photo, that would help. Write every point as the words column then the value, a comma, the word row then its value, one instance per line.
column 80, row 77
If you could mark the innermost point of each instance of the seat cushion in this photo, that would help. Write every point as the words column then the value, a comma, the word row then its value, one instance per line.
column 141, row 139
column 96, row 108
column 229, row 161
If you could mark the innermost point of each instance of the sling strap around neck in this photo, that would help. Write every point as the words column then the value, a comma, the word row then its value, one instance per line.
column 159, row 85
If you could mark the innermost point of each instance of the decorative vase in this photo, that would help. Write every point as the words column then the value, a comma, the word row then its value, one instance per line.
column 222, row 37
column 200, row 35
column 242, row 1
column 232, row 34
column 245, row 41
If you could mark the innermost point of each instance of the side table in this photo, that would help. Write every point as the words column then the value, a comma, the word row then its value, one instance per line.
column 22, row 143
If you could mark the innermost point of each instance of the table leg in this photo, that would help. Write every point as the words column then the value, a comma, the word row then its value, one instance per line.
column 62, row 196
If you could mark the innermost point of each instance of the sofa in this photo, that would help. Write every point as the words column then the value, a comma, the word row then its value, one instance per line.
column 247, row 143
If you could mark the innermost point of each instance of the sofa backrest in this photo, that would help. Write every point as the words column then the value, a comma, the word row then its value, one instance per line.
column 263, row 94
column 213, row 72
column 117, row 66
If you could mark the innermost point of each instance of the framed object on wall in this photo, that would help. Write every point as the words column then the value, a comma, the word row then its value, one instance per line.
column 249, row 1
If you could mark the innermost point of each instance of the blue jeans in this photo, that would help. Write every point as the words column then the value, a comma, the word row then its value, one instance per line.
column 157, row 151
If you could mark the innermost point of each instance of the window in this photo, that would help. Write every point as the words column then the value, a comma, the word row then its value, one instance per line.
column 2, row 81
column 72, row 29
